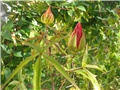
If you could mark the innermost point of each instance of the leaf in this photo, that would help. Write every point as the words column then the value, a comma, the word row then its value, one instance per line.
column 92, row 78
column 94, row 66
column 89, row 76
column 70, row 12
column 85, row 56
column 16, row 87
column 22, row 86
column 23, row 63
column 14, row 82
column 82, row 8
column 7, row 35
column 6, row 49
column 21, row 78
column 7, row 72
column 8, row 25
column 18, row 54
column 60, row 69
column 82, row 72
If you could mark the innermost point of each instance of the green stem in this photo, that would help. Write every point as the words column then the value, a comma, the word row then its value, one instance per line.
column 37, row 75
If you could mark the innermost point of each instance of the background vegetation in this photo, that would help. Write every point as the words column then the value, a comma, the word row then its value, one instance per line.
column 27, row 64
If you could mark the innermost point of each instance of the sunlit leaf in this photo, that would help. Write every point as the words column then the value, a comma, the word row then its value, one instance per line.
column 14, row 82
column 94, row 67
column 89, row 76
column 81, row 8
column 60, row 69
column 85, row 56
column 21, row 78
column 92, row 78
column 70, row 13
column 18, row 54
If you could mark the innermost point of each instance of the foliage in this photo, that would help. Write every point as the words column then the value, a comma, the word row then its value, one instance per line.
column 36, row 56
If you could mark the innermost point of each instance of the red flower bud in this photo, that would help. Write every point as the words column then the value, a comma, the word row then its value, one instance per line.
column 47, row 17
column 77, row 39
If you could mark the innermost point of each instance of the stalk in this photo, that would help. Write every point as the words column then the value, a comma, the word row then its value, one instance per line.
column 37, row 75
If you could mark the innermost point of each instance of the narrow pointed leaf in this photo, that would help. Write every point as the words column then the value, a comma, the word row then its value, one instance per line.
column 89, row 76
column 93, row 79
column 85, row 56
column 94, row 67
column 60, row 69
column 23, row 63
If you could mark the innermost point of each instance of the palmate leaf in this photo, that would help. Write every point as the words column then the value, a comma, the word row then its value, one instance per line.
column 56, row 64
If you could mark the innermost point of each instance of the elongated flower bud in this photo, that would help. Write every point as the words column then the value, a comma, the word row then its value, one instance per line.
column 47, row 17
column 77, row 39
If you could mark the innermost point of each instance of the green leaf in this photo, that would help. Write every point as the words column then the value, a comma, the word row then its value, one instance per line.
column 92, row 78
column 14, row 82
column 56, row 64
column 7, row 72
column 23, row 63
column 16, row 87
column 89, row 76
column 82, row 8
column 85, row 56
column 70, row 12
column 8, row 25
column 7, row 35
column 18, row 54
column 6, row 49
column 94, row 67
column 82, row 72
column 21, row 78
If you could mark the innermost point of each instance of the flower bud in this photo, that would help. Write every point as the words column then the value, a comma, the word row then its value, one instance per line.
column 47, row 17
column 77, row 39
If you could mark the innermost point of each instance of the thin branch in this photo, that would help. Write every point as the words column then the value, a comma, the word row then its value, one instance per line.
column 60, row 50
column 62, row 84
